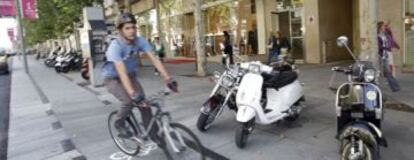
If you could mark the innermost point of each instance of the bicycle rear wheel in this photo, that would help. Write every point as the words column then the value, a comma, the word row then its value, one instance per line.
column 188, row 145
column 130, row 146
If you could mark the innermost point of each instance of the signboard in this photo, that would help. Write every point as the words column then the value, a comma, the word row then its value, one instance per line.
column 7, row 8
column 10, row 33
column 29, row 9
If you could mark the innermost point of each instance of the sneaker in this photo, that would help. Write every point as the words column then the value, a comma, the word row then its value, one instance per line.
column 123, row 131
column 149, row 146
column 143, row 153
column 146, row 148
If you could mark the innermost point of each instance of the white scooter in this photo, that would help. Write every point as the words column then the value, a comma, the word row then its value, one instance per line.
column 266, row 96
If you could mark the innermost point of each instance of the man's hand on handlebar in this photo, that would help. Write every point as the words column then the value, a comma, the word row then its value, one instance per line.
column 172, row 85
column 139, row 99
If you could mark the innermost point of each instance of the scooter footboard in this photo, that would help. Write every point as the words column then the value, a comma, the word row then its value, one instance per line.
column 245, row 113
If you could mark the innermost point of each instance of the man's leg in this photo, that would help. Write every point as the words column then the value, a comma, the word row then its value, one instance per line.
column 115, row 87
column 146, row 112
column 231, row 57
column 392, row 82
column 270, row 57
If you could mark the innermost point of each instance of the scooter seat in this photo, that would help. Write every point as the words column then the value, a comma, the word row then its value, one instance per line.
column 279, row 80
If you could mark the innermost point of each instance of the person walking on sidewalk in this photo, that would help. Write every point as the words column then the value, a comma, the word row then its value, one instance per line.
column 159, row 51
column 275, row 45
column 384, row 49
column 394, row 45
column 120, row 72
column 228, row 47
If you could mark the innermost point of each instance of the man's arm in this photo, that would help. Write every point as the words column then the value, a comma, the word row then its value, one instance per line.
column 123, row 76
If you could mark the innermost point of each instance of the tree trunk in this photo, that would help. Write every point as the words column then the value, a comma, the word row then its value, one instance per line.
column 160, row 27
column 199, row 35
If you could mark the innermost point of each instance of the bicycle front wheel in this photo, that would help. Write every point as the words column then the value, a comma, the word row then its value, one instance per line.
column 129, row 146
column 182, row 144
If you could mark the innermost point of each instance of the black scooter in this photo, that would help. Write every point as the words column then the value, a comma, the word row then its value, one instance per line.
column 359, row 110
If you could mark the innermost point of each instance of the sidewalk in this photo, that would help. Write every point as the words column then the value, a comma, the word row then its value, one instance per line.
column 83, row 111
column 35, row 132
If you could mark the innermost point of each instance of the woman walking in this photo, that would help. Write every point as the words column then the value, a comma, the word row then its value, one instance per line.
column 385, row 47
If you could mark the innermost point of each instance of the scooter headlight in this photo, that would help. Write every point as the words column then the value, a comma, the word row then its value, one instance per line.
column 254, row 68
column 369, row 75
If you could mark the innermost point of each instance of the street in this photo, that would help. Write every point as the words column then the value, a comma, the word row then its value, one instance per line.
column 4, row 113
column 82, row 111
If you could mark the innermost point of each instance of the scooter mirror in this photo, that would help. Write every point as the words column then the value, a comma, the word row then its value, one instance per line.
column 342, row 41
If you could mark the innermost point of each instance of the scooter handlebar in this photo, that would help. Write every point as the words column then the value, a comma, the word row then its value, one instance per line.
column 341, row 70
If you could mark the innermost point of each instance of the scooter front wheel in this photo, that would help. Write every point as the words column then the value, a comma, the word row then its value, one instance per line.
column 65, row 69
column 57, row 69
column 369, row 152
column 292, row 117
column 242, row 133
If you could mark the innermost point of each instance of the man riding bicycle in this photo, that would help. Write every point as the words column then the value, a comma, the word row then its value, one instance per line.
column 120, row 72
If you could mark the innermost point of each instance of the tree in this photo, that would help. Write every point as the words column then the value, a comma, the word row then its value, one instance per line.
column 199, row 35
column 56, row 18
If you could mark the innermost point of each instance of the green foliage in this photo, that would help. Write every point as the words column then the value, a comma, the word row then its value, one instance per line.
column 56, row 19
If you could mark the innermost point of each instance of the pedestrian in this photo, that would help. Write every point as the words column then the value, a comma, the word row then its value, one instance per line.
column 120, row 78
column 159, row 51
column 385, row 52
column 228, row 47
column 394, row 45
column 252, row 41
column 275, row 45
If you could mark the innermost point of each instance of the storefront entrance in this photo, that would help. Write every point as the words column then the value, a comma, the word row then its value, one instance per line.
column 288, row 20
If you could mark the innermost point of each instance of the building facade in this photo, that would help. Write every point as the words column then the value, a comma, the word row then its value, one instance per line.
column 311, row 26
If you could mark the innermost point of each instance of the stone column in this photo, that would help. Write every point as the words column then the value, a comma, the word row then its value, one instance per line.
column 368, row 16
column 261, row 26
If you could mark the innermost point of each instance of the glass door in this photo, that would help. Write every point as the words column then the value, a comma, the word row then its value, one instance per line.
column 290, row 25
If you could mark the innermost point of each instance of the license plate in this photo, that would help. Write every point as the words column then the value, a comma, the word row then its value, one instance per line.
column 357, row 115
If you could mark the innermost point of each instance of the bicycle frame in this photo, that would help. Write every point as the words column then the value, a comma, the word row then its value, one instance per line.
column 164, row 125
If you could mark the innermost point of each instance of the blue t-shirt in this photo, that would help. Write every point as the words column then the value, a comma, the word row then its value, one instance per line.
column 119, row 51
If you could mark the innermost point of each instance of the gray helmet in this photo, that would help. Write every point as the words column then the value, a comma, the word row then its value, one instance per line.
column 125, row 18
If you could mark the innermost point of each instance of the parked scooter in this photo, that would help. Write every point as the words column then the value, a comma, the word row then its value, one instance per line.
column 51, row 59
column 266, row 96
column 68, row 61
column 359, row 110
column 222, row 95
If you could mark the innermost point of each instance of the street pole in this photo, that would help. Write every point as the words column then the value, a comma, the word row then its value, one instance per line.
column 20, row 23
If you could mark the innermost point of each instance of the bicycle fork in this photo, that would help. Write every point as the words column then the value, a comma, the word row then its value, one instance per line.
column 167, row 130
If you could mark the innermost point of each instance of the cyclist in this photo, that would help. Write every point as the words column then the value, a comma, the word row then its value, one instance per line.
column 120, row 72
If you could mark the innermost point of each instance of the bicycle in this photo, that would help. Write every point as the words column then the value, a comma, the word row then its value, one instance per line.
column 173, row 137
